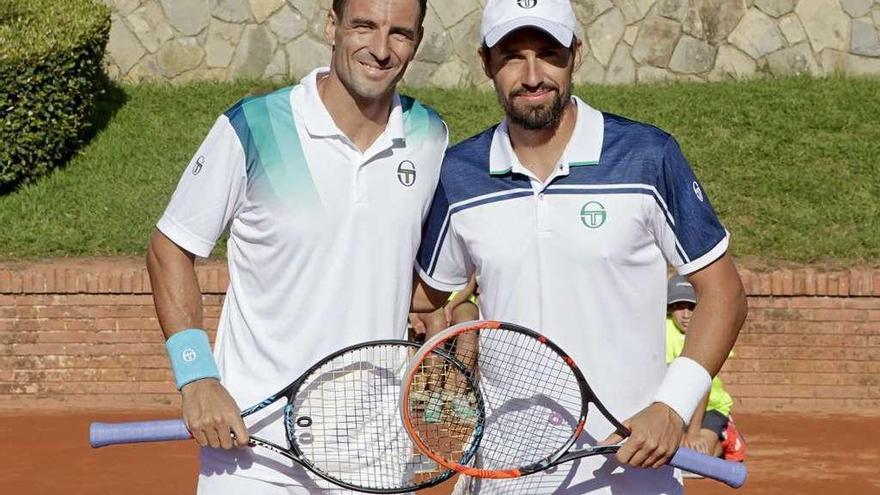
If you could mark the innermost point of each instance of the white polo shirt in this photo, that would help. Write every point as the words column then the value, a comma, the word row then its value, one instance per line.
column 580, row 257
column 322, row 240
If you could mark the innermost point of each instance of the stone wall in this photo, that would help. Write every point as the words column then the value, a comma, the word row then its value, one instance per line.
column 83, row 335
column 626, row 41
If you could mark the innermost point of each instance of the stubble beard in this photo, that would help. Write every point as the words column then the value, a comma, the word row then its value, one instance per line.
column 546, row 116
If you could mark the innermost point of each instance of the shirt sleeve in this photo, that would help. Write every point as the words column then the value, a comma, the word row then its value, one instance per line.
column 685, row 225
column 209, row 194
column 442, row 261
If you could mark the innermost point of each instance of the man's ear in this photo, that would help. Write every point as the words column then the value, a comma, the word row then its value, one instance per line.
column 420, row 35
column 330, row 26
column 578, row 54
column 483, row 53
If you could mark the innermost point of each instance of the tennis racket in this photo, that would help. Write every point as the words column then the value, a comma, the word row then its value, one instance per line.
column 341, row 420
column 514, row 422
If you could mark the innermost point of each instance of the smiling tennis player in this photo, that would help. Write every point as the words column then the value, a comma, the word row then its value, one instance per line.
column 569, row 216
column 323, row 188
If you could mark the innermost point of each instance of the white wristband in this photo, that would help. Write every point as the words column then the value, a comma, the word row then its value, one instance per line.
column 683, row 387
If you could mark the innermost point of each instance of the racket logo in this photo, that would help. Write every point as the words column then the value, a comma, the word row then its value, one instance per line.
column 189, row 355
column 527, row 4
column 593, row 214
column 406, row 173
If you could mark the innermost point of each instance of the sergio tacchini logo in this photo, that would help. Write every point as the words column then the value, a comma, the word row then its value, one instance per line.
column 593, row 214
column 406, row 173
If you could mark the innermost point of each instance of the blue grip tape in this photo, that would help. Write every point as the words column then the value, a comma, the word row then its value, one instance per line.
column 732, row 473
column 191, row 358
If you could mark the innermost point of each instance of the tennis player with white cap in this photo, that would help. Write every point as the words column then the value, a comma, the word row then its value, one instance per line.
column 569, row 218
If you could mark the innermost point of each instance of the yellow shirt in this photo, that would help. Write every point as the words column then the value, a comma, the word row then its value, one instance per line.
column 719, row 399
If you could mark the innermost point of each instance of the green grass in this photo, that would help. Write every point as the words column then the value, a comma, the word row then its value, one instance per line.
column 791, row 165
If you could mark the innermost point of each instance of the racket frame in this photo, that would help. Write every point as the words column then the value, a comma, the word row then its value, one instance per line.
column 438, row 343
column 734, row 474
column 293, row 452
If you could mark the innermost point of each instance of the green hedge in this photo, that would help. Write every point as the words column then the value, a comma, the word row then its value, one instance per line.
column 50, row 67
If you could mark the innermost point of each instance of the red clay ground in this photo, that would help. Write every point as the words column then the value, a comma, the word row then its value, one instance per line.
column 49, row 454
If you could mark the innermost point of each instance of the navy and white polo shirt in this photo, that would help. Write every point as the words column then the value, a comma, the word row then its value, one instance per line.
column 581, row 256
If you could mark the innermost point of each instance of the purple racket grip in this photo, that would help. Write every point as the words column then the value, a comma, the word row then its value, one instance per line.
column 732, row 473
column 101, row 434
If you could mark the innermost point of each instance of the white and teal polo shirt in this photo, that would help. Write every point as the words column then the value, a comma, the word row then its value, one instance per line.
column 581, row 257
column 322, row 238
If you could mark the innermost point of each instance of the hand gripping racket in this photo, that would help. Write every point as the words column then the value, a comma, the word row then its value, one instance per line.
column 341, row 420
column 514, row 423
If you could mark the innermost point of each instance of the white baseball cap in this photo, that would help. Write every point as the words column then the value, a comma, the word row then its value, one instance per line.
column 556, row 17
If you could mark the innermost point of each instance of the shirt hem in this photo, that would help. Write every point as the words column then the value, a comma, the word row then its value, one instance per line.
column 184, row 238
column 437, row 284
column 706, row 259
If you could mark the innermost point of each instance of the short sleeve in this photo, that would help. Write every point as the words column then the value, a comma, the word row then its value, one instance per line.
column 684, row 224
column 442, row 261
column 209, row 194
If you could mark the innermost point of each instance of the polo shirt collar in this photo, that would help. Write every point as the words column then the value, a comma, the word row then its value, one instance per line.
column 319, row 123
column 584, row 148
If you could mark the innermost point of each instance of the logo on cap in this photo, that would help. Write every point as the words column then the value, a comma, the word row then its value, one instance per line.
column 527, row 4
column 406, row 173
column 593, row 214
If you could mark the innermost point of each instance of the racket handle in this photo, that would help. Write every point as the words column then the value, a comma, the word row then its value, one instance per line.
column 732, row 473
column 101, row 434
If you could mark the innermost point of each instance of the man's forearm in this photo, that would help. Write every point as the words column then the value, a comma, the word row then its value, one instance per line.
column 175, row 287
column 719, row 315
column 712, row 331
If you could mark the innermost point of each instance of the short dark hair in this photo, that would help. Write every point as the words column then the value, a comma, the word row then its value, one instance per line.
column 339, row 7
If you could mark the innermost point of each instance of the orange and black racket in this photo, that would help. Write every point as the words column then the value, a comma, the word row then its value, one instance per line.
column 503, row 413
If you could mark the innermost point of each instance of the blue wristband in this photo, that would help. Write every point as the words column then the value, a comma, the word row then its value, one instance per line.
column 191, row 358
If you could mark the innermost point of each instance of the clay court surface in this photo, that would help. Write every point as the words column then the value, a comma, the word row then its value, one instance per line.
column 47, row 454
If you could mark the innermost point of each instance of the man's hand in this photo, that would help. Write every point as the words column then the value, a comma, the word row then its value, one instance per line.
column 428, row 323
column 211, row 415
column 656, row 434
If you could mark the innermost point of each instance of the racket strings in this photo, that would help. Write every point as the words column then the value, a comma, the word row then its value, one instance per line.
column 346, row 423
column 531, row 397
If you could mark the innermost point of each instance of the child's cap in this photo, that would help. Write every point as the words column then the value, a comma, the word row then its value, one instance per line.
column 680, row 290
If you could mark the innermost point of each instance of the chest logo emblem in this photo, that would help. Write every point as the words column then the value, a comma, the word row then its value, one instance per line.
column 527, row 4
column 593, row 214
column 406, row 173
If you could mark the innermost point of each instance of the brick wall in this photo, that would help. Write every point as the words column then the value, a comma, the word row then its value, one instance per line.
column 83, row 335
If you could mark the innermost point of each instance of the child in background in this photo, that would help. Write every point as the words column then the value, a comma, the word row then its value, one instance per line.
column 711, row 430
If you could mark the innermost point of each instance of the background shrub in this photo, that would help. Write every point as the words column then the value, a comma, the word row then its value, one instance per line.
column 50, row 68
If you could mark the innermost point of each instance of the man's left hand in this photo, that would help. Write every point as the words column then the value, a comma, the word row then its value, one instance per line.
column 656, row 434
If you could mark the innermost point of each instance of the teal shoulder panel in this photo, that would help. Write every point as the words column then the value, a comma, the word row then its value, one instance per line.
column 420, row 121
column 266, row 127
